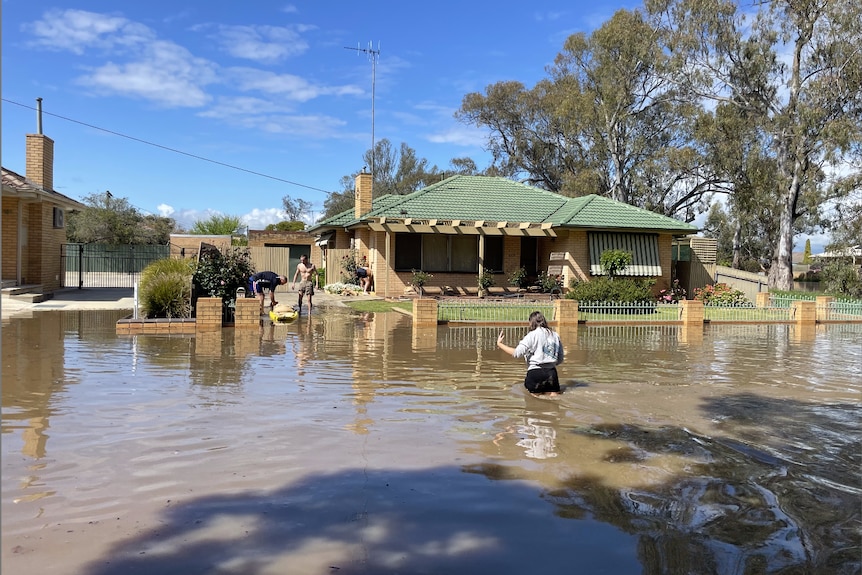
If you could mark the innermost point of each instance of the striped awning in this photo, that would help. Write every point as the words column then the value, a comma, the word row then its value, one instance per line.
column 643, row 247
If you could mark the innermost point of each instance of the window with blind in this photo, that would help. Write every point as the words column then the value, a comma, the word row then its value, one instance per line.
column 643, row 247
column 446, row 253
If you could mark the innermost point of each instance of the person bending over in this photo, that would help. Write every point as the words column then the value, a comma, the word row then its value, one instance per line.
column 543, row 352
column 365, row 277
column 266, row 281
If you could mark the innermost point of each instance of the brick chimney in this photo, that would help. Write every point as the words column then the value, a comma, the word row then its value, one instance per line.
column 40, row 155
column 363, row 186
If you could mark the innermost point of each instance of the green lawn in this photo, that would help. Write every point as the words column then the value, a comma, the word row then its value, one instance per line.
column 380, row 306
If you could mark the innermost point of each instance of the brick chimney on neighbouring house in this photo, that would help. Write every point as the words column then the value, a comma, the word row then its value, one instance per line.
column 40, row 155
column 363, row 186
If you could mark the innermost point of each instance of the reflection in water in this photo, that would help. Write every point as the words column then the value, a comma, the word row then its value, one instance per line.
column 730, row 450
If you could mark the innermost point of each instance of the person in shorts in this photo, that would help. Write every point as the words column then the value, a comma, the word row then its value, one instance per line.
column 543, row 352
column 307, row 272
column 262, row 281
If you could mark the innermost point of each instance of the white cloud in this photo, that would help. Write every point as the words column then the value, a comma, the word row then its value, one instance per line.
column 286, row 85
column 186, row 218
column 165, row 210
column 77, row 30
column 258, row 219
column 274, row 118
column 262, row 43
column 460, row 136
column 230, row 107
column 548, row 16
column 169, row 75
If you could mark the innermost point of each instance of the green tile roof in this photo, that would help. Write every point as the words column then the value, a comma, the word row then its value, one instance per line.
column 496, row 199
column 599, row 212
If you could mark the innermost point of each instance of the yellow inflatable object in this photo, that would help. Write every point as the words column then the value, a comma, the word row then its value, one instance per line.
column 283, row 313
column 283, row 316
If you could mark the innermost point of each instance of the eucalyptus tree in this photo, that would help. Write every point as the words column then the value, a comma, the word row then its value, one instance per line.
column 399, row 171
column 609, row 120
column 632, row 124
column 109, row 219
column 294, row 208
column 795, row 68
column 216, row 225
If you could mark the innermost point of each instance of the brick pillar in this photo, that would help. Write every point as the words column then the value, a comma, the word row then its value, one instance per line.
column 424, row 312
column 565, row 312
column 823, row 304
column 692, row 312
column 247, row 313
column 209, row 313
column 762, row 299
column 805, row 312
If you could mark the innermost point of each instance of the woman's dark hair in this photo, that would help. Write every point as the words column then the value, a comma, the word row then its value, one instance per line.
column 537, row 319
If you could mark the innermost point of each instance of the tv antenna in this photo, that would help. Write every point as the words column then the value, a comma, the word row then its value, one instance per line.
column 372, row 55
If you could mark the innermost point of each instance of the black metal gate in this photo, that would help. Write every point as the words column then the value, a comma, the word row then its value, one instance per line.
column 101, row 265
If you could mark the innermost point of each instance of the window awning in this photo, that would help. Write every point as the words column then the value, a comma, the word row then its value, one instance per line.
column 323, row 240
column 643, row 247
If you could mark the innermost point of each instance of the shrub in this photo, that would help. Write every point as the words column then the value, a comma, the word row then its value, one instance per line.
column 220, row 273
column 613, row 262
column 348, row 269
column 165, row 289
column 485, row 279
column 720, row 293
column 549, row 283
column 673, row 294
column 419, row 279
column 518, row 278
column 841, row 278
column 605, row 289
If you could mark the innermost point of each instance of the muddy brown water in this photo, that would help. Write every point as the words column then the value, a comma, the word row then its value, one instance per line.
column 348, row 443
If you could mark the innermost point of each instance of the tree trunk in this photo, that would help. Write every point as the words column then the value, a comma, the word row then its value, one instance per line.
column 737, row 244
column 781, row 271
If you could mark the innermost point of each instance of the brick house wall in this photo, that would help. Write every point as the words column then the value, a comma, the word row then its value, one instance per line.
column 263, row 238
column 10, row 238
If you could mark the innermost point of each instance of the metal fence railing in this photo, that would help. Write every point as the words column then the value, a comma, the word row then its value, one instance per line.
column 517, row 311
column 747, row 312
column 492, row 310
column 787, row 301
column 101, row 265
column 643, row 311
column 840, row 310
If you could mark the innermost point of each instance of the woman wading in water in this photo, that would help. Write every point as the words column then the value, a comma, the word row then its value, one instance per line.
column 543, row 351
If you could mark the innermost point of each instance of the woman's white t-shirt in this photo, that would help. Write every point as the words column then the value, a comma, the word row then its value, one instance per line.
column 540, row 348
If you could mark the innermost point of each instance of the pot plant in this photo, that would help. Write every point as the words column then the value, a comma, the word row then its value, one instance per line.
column 419, row 279
column 518, row 278
column 484, row 281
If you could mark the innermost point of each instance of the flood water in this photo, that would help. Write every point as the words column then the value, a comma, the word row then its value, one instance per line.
column 350, row 443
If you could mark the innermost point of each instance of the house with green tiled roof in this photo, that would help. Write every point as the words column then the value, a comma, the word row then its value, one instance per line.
column 464, row 225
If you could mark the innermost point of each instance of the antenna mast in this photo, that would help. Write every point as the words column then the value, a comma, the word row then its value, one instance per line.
column 372, row 55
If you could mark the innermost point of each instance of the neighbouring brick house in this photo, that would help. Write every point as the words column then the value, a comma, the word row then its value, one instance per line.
column 270, row 250
column 458, row 227
column 34, row 221
column 283, row 249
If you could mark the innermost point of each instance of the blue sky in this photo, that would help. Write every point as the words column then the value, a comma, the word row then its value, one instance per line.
column 264, row 86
